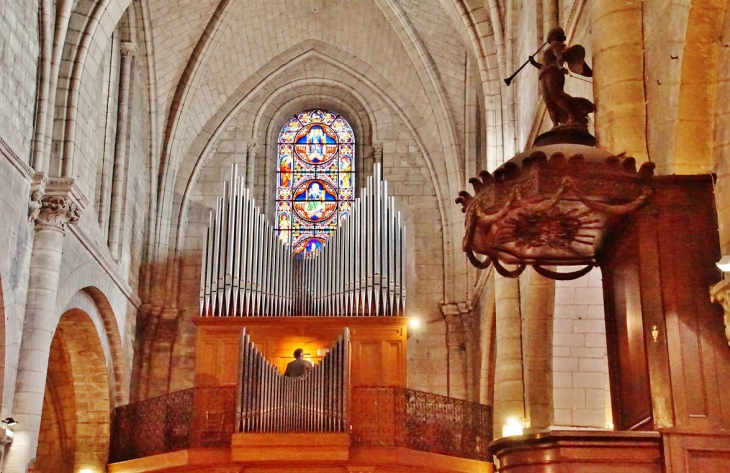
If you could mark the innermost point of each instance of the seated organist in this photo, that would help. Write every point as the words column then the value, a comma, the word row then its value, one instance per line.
column 299, row 367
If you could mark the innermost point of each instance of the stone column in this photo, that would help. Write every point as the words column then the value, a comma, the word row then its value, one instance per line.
column 129, row 52
column 250, row 165
column 537, row 307
column 550, row 16
column 618, row 77
column 509, row 392
column 462, row 327
column 55, row 203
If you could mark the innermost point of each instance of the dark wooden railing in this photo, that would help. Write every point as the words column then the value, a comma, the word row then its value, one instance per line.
column 399, row 417
column 198, row 417
column 270, row 402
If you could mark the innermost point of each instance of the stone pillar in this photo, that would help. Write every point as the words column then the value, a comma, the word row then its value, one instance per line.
column 55, row 202
column 509, row 400
column 129, row 52
column 550, row 16
column 461, row 343
column 618, row 78
column 537, row 306
column 250, row 165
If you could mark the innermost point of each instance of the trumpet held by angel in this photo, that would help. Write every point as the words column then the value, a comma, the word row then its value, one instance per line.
column 563, row 108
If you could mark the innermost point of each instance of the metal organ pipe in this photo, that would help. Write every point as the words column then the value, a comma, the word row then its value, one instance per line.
column 271, row 402
column 246, row 271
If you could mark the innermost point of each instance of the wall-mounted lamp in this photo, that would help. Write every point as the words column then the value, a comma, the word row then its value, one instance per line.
column 724, row 264
column 415, row 322
column 512, row 427
column 86, row 470
column 8, row 422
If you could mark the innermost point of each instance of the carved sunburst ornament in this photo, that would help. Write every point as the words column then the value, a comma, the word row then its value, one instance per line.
column 556, row 228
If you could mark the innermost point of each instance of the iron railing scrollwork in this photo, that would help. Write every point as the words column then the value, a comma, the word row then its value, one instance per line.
column 197, row 417
column 400, row 417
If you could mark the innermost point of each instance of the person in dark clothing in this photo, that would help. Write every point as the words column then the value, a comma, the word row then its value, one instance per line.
column 299, row 367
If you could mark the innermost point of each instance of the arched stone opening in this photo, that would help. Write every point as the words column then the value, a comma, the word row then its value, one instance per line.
column 75, row 428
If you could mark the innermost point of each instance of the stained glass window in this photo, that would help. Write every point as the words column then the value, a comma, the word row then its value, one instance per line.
column 315, row 179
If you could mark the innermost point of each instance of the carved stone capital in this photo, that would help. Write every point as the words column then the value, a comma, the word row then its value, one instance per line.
column 129, row 49
column 378, row 152
column 54, row 202
column 251, row 148
column 720, row 293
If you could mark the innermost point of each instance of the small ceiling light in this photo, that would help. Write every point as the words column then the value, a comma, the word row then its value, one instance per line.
column 9, row 422
column 415, row 322
column 512, row 427
column 724, row 264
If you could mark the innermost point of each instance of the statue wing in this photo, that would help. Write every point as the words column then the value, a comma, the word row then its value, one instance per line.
column 575, row 56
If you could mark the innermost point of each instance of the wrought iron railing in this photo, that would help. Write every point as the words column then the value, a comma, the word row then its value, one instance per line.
column 379, row 416
column 399, row 417
column 198, row 417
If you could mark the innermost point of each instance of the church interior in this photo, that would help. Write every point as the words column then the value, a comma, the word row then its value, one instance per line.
column 492, row 266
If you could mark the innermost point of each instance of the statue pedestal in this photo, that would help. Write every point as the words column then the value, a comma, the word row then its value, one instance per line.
column 566, row 134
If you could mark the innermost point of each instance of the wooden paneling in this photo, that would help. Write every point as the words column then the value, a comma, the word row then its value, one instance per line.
column 697, row 453
column 250, row 447
column 664, row 261
column 217, row 354
column 378, row 345
column 631, row 399
column 580, row 452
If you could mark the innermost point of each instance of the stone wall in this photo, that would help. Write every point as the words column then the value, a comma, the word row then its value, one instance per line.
column 580, row 368
column 19, row 51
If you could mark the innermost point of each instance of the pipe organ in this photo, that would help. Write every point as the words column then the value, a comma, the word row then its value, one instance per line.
column 270, row 402
column 247, row 271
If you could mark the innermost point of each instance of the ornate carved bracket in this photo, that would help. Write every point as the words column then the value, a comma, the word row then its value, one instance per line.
column 720, row 293
column 54, row 202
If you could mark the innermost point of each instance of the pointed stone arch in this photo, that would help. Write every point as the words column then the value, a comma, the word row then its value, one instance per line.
column 78, row 400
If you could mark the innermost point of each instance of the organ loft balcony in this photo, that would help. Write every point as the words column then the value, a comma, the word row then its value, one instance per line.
column 351, row 413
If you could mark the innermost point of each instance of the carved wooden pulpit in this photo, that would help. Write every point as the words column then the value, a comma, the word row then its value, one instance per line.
column 655, row 239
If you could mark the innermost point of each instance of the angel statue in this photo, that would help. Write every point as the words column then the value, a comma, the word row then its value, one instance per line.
column 563, row 108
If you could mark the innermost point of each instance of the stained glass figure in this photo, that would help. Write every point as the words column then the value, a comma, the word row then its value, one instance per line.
column 315, row 178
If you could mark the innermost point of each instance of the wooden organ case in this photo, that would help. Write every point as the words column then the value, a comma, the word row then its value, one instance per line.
column 344, row 305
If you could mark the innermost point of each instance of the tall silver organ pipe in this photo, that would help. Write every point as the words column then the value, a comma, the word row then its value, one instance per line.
column 270, row 402
column 247, row 271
